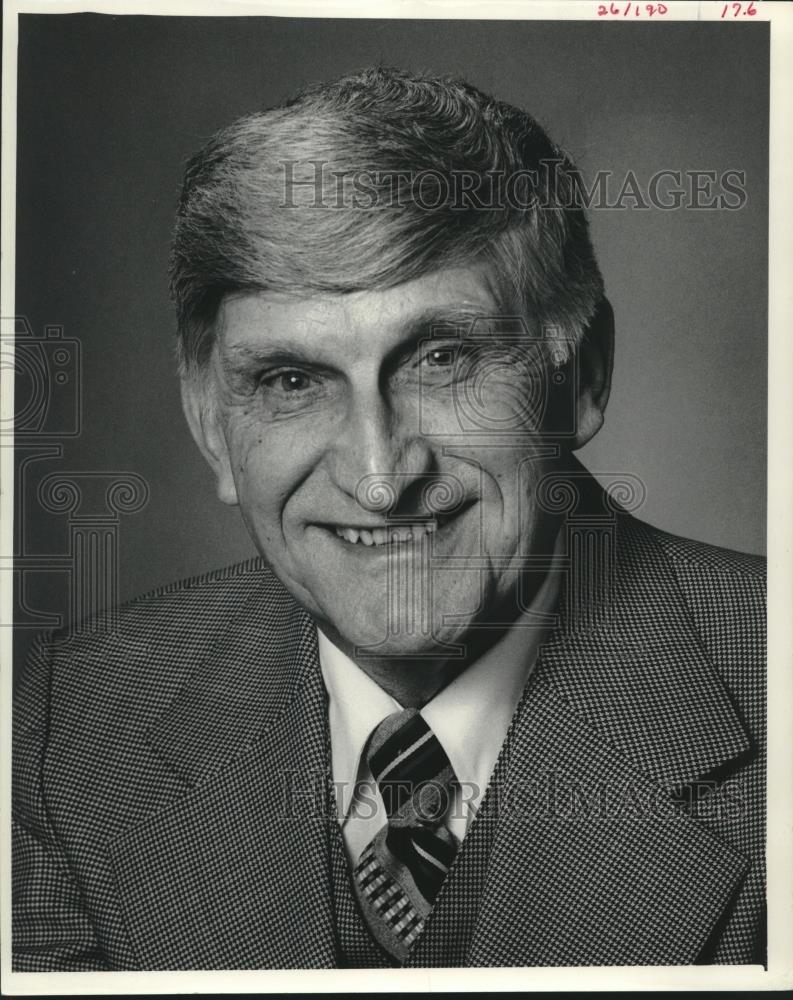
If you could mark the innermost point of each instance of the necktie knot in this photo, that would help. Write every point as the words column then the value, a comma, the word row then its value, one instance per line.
column 411, row 769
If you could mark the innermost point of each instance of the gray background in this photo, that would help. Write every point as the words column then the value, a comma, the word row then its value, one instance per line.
column 110, row 107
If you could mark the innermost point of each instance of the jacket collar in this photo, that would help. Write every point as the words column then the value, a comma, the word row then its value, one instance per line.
column 234, row 873
column 633, row 667
column 242, row 684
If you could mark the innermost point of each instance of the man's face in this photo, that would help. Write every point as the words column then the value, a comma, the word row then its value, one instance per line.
column 384, row 458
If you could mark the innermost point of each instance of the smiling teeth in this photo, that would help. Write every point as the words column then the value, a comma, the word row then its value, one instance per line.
column 385, row 536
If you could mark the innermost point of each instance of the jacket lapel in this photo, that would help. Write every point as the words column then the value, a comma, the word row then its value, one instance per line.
column 581, row 854
column 591, row 863
column 235, row 873
column 634, row 668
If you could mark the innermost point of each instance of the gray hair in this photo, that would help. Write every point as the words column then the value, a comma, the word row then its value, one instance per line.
column 250, row 216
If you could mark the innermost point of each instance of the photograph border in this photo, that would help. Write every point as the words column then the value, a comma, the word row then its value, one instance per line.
column 779, row 973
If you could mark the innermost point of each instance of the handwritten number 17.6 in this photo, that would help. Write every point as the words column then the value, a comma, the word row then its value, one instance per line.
column 747, row 9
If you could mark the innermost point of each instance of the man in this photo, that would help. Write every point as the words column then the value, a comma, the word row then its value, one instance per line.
column 465, row 710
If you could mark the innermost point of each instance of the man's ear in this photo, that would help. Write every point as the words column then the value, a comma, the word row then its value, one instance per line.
column 202, row 417
column 595, row 362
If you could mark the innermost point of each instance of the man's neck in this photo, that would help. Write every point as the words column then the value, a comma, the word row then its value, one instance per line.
column 413, row 681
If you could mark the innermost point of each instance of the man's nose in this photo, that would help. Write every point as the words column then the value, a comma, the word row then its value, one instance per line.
column 378, row 454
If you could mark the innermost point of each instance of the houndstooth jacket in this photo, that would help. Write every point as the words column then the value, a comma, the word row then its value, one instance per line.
column 172, row 806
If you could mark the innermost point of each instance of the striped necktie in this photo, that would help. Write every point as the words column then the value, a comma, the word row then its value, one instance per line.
column 400, row 872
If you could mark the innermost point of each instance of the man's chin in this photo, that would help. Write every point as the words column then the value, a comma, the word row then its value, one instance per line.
column 362, row 641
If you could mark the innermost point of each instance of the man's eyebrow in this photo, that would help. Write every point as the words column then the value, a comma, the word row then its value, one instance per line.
column 236, row 358
column 443, row 320
column 241, row 358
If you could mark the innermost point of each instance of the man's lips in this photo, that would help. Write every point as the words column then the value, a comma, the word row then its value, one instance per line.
column 395, row 531
column 389, row 535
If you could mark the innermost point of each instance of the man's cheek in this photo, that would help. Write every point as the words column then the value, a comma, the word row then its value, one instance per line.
column 256, row 446
column 256, row 475
column 269, row 480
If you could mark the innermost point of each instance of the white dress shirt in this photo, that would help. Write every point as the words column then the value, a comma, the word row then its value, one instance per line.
column 469, row 717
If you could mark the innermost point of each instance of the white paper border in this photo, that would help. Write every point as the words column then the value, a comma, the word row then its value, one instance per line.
column 780, row 549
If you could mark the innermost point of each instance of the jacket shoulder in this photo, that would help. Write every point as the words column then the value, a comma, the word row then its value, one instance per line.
column 85, row 696
column 724, row 593
column 207, row 590
column 187, row 609
column 701, row 557
column 135, row 657
column 724, row 589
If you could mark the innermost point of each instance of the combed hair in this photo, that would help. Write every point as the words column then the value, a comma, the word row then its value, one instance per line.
column 247, row 219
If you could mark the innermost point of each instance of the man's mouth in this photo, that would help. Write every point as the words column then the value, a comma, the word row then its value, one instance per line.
column 389, row 535
column 398, row 531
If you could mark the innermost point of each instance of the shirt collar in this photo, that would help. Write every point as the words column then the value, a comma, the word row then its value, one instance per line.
column 469, row 717
column 356, row 704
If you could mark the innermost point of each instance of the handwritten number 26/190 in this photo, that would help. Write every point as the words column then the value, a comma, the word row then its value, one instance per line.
column 624, row 9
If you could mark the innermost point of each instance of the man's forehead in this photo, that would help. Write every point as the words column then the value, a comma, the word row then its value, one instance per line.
column 459, row 300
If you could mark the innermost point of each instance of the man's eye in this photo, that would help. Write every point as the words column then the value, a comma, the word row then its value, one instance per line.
column 289, row 382
column 441, row 356
column 287, row 391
